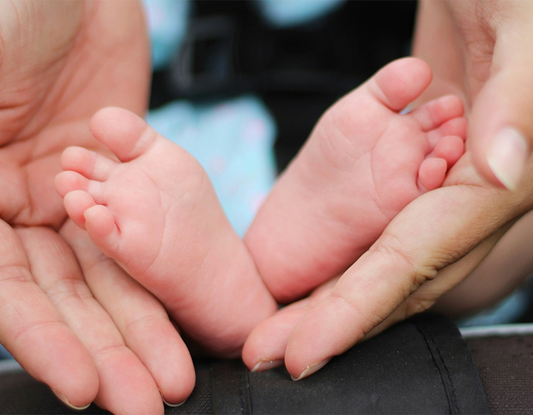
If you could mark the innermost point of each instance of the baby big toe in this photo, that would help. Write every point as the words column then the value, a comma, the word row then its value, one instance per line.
column 400, row 82
column 124, row 133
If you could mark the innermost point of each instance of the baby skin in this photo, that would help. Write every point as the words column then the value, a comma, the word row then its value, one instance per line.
column 156, row 213
column 363, row 163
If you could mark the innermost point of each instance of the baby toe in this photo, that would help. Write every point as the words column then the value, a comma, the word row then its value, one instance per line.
column 76, row 203
column 400, row 82
column 124, row 133
column 101, row 226
column 450, row 148
column 435, row 113
column 69, row 181
column 432, row 173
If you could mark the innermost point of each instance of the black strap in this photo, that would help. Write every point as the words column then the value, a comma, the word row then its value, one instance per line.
column 421, row 366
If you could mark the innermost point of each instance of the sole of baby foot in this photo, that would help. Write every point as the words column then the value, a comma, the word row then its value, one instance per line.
column 363, row 163
column 156, row 213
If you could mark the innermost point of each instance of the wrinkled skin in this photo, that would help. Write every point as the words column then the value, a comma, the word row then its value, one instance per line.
column 482, row 51
column 71, row 317
column 59, row 318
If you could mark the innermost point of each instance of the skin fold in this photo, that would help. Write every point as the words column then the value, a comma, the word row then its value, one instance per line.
column 52, row 81
column 442, row 236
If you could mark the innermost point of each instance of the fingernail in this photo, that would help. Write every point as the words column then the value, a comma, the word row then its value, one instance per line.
column 309, row 370
column 507, row 156
column 173, row 405
column 64, row 399
column 266, row 365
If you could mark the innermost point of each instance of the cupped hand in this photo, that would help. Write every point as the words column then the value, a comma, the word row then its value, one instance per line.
column 59, row 64
column 77, row 322
column 71, row 317
column 429, row 248
column 481, row 51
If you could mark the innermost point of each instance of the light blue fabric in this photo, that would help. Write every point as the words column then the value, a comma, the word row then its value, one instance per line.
column 284, row 13
column 167, row 25
column 233, row 140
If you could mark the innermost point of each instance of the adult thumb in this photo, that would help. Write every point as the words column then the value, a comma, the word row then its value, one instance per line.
column 500, row 133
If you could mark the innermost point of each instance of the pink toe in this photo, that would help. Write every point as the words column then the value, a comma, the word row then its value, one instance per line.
column 438, row 112
column 72, row 157
column 446, row 108
column 88, row 163
column 401, row 82
column 121, row 130
column 450, row 148
column 69, row 181
column 100, row 224
column 455, row 126
column 76, row 203
column 432, row 172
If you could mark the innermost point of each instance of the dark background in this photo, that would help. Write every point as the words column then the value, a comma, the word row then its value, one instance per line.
column 299, row 72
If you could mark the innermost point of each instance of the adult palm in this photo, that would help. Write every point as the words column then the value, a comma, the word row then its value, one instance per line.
column 60, row 62
column 70, row 316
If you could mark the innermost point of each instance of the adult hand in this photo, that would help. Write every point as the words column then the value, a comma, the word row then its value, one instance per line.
column 421, row 255
column 485, row 51
column 72, row 318
column 423, row 252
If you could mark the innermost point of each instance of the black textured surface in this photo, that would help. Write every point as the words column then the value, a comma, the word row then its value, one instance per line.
column 21, row 394
column 201, row 399
column 419, row 366
column 505, row 365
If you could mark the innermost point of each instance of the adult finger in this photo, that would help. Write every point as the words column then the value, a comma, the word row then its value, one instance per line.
column 141, row 319
column 500, row 132
column 265, row 346
column 35, row 333
column 432, row 232
column 446, row 279
column 125, row 386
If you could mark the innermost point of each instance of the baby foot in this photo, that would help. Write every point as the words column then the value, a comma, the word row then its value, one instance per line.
column 156, row 213
column 363, row 163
